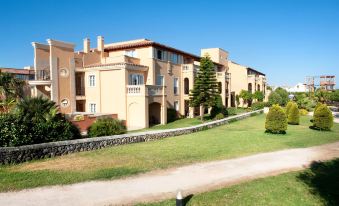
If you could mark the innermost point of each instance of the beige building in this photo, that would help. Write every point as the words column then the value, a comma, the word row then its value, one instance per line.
column 245, row 78
column 137, row 80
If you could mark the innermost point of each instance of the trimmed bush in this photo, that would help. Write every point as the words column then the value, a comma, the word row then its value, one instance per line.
column 258, row 105
column 219, row 116
column 218, row 107
column 172, row 115
column 106, row 127
column 231, row 111
column 293, row 115
column 303, row 112
column 276, row 121
column 288, row 107
column 322, row 118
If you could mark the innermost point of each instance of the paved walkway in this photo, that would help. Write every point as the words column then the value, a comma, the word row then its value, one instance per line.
column 163, row 184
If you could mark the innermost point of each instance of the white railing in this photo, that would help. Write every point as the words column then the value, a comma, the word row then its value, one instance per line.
column 136, row 89
column 144, row 90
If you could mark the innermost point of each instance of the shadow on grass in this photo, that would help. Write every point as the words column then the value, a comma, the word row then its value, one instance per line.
column 187, row 199
column 323, row 179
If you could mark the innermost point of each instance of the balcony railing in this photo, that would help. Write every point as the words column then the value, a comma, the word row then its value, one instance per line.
column 144, row 90
column 227, row 76
column 42, row 75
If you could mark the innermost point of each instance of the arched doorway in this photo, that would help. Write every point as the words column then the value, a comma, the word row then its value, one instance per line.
column 258, row 88
column 154, row 111
column 186, row 85
column 250, row 87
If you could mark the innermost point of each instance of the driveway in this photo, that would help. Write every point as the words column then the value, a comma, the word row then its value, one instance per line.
column 164, row 184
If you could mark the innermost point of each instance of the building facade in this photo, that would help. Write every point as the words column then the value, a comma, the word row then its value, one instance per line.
column 137, row 80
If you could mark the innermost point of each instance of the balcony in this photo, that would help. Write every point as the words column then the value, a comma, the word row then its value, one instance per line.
column 41, row 77
column 190, row 68
column 144, row 90
column 226, row 76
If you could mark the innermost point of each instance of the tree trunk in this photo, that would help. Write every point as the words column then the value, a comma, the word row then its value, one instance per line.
column 201, row 112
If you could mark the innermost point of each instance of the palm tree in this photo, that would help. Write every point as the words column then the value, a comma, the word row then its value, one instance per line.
column 32, row 109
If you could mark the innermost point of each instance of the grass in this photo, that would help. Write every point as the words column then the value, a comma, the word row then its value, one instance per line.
column 185, row 122
column 318, row 185
column 239, row 138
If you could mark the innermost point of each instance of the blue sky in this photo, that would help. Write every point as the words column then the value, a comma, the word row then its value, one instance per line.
column 285, row 39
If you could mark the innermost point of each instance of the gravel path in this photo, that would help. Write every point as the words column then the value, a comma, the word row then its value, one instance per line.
column 164, row 184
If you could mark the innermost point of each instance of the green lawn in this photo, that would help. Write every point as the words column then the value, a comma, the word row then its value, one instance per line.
column 185, row 122
column 239, row 138
column 318, row 185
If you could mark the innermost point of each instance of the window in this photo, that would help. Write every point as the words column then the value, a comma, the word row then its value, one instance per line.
column 176, row 106
column 186, row 86
column 136, row 79
column 131, row 53
column 176, row 86
column 160, row 54
column 93, row 108
column 160, row 80
column 91, row 80
column 174, row 58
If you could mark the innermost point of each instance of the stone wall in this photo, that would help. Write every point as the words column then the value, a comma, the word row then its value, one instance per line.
column 20, row 154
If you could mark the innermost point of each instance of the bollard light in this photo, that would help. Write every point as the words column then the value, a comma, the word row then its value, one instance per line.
column 179, row 201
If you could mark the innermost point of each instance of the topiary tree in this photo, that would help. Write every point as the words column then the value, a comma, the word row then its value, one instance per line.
column 276, row 121
column 274, row 98
column 322, row 118
column 288, row 107
column 106, row 127
column 293, row 114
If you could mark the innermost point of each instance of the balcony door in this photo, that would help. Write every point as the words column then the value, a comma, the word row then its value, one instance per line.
column 136, row 79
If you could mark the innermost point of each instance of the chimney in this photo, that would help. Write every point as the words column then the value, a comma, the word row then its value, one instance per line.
column 87, row 45
column 100, row 43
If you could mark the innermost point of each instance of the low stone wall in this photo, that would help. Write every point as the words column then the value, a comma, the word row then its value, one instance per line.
column 20, row 154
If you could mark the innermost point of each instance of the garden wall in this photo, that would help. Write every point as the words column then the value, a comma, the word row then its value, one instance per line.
column 20, row 154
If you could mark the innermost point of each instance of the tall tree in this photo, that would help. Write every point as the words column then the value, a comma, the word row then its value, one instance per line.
column 11, row 90
column 205, row 88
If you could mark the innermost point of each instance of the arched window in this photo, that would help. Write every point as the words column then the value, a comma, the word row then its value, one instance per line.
column 187, row 85
column 250, row 87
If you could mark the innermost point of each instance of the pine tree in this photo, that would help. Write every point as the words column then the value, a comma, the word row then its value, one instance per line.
column 205, row 88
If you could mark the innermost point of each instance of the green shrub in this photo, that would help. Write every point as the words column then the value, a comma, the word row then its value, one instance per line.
column 106, row 127
column 34, row 121
column 276, row 121
column 275, row 98
column 218, row 107
column 172, row 115
column 231, row 111
column 288, row 107
column 322, row 118
column 293, row 114
column 219, row 116
column 258, row 105
column 303, row 112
